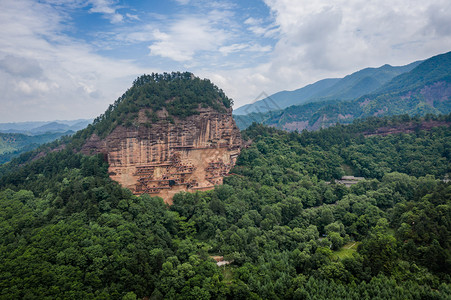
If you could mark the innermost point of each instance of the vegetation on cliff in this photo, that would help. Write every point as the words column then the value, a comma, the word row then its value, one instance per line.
column 68, row 231
column 179, row 94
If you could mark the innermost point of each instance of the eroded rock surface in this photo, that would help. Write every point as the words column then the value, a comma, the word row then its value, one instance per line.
column 165, row 158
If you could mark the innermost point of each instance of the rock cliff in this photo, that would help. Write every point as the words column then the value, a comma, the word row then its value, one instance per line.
column 163, row 158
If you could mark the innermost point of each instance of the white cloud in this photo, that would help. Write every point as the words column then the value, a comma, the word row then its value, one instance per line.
column 233, row 48
column 132, row 17
column 186, row 37
column 45, row 74
column 320, row 39
column 102, row 6
column 25, row 67
column 108, row 8
column 44, row 71
column 258, row 27
column 34, row 87
column 339, row 34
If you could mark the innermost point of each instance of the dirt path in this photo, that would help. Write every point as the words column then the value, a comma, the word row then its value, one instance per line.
column 350, row 246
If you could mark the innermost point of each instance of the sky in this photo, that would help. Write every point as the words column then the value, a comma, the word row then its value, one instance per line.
column 65, row 60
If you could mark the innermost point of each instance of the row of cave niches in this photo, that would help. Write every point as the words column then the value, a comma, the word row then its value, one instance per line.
column 154, row 152
column 177, row 174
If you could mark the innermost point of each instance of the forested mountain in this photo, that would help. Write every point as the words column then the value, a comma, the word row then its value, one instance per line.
column 37, row 128
column 167, row 95
column 425, row 89
column 13, row 144
column 340, row 89
column 286, row 228
column 168, row 133
column 17, row 138
column 286, row 98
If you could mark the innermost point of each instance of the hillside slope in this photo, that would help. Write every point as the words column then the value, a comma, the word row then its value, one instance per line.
column 13, row 144
column 281, row 225
column 168, row 133
column 341, row 89
column 423, row 90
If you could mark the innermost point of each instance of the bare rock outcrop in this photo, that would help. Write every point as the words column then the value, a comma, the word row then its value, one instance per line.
column 164, row 157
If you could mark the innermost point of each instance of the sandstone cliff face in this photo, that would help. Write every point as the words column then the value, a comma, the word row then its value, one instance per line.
column 165, row 158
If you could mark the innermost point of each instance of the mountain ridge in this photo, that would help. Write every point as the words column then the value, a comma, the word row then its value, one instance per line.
column 425, row 89
column 168, row 133
column 349, row 87
column 41, row 127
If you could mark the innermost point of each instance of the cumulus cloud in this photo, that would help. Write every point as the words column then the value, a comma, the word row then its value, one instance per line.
column 439, row 18
column 353, row 32
column 46, row 71
column 185, row 38
column 46, row 74
column 21, row 66
column 319, row 39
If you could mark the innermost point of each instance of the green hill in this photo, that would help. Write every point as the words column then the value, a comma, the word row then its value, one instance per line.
column 432, row 70
column 426, row 89
column 67, row 231
column 37, row 128
column 286, row 98
column 177, row 94
column 13, row 144
column 279, row 223
column 341, row 89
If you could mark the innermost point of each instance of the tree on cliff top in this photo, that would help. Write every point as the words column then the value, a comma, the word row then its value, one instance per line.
column 181, row 94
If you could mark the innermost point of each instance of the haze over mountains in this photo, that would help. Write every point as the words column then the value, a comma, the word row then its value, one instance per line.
column 280, row 221
column 426, row 88
column 349, row 87
column 35, row 128
column 16, row 138
column 144, row 202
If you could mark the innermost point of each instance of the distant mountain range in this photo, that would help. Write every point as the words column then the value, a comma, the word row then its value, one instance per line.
column 37, row 128
column 341, row 89
column 14, row 144
column 425, row 88
column 16, row 138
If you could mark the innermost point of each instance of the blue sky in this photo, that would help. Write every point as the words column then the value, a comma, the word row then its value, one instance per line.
column 62, row 59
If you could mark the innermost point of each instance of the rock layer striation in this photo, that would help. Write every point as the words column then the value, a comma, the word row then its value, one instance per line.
column 164, row 158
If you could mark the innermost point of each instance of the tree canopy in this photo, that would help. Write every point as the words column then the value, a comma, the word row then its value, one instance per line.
column 288, row 229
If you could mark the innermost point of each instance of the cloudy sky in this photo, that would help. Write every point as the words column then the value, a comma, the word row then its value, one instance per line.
column 62, row 59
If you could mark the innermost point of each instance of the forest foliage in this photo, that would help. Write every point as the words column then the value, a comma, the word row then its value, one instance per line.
column 68, row 231
column 13, row 144
column 180, row 94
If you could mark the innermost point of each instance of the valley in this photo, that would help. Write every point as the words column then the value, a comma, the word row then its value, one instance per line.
column 144, row 202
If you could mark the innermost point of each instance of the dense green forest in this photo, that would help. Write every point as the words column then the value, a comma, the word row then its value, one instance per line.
column 180, row 94
column 13, row 144
column 289, row 230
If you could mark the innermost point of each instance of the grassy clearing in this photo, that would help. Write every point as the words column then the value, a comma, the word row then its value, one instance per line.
column 227, row 272
column 347, row 250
